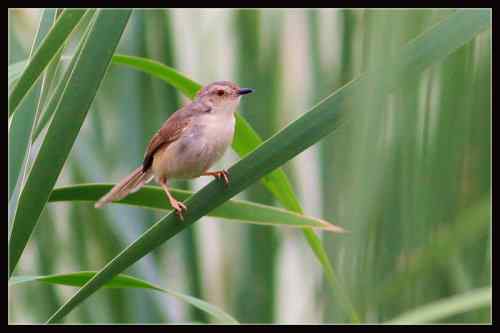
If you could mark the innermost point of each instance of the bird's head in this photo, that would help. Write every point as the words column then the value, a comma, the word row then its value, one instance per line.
column 222, row 95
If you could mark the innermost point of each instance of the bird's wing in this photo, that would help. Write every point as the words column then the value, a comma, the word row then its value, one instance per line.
column 168, row 133
column 172, row 130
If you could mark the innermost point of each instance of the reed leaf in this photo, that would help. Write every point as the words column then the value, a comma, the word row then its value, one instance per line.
column 444, row 308
column 78, row 279
column 153, row 197
column 68, row 118
column 22, row 123
column 14, row 72
column 49, row 47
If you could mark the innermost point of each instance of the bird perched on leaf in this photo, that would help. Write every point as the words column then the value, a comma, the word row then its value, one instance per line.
column 190, row 141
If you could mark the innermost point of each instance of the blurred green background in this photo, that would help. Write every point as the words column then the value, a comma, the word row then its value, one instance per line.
column 409, row 174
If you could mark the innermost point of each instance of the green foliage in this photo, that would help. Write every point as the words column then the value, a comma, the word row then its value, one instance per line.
column 79, row 279
column 401, row 117
column 245, row 140
column 22, row 123
column 446, row 307
column 44, row 54
column 80, row 90
column 233, row 210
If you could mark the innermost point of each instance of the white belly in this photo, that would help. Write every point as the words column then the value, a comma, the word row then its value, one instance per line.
column 197, row 149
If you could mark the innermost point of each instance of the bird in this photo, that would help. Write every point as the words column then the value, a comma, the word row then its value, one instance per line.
column 188, row 143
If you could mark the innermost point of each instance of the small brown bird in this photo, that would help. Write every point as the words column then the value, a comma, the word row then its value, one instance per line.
column 188, row 143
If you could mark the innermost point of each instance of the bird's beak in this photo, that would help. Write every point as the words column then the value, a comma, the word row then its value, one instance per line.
column 244, row 91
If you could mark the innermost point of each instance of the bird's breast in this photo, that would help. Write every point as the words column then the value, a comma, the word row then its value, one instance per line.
column 218, row 131
column 203, row 144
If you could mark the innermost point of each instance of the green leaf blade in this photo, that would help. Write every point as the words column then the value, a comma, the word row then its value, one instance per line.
column 181, row 82
column 14, row 72
column 78, row 279
column 68, row 119
column 444, row 308
column 22, row 123
column 153, row 197
column 42, row 57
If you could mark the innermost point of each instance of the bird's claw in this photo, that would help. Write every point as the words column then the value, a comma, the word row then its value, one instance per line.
column 179, row 208
column 224, row 175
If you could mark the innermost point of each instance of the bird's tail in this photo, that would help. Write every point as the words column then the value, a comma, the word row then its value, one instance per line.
column 129, row 184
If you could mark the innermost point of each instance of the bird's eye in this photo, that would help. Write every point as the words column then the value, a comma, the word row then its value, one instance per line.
column 220, row 92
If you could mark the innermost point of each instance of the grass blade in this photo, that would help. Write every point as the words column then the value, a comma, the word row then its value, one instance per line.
column 446, row 307
column 78, row 279
column 47, row 50
column 434, row 45
column 49, row 104
column 153, row 197
column 50, row 107
column 25, row 120
column 68, row 118
column 22, row 123
column 187, row 86
column 15, row 71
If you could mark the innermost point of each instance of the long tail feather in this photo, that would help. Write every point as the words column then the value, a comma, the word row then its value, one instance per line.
column 129, row 184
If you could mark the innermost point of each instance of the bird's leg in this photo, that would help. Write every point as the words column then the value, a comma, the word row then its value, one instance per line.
column 177, row 205
column 219, row 174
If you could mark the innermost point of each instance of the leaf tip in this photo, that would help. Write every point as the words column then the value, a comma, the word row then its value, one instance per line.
column 334, row 228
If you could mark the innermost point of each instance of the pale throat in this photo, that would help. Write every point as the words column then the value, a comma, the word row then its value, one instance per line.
column 230, row 107
column 227, row 108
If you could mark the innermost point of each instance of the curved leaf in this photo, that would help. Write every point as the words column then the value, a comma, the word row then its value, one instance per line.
column 14, row 72
column 22, row 123
column 16, row 69
column 181, row 82
column 71, row 110
column 78, row 279
column 234, row 210
column 54, row 40
column 432, row 46
column 50, row 107
column 446, row 307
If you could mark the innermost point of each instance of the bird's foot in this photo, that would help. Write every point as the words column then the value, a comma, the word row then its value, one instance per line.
column 179, row 208
column 220, row 174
